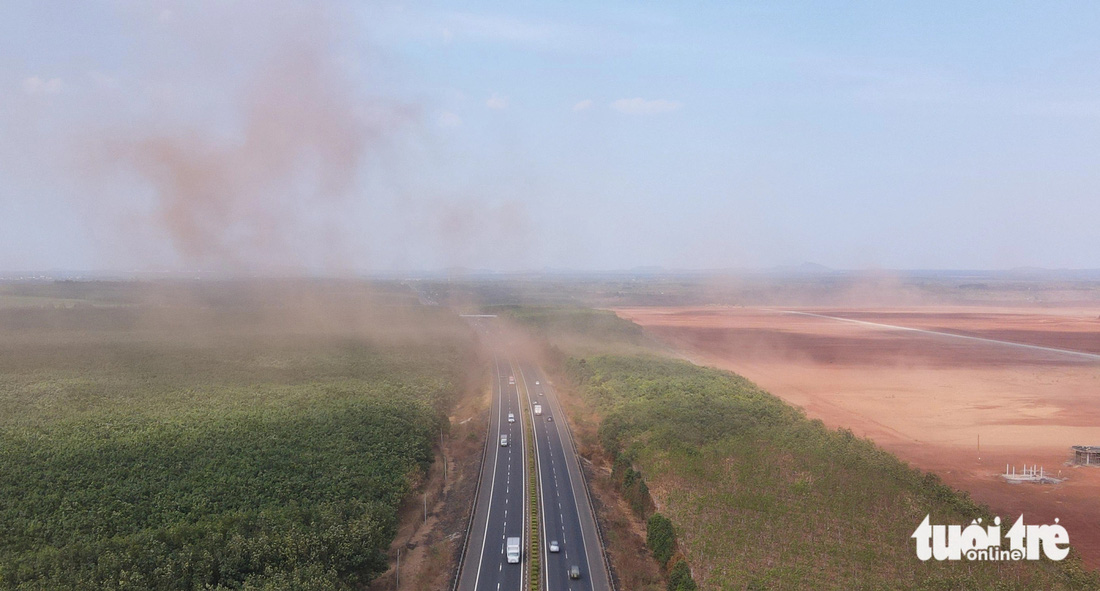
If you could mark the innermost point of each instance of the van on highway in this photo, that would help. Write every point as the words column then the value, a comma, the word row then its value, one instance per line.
column 512, row 550
column 504, row 441
column 511, row 417
column 538, row 409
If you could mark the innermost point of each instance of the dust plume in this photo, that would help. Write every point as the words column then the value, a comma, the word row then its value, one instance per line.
column 260, row 183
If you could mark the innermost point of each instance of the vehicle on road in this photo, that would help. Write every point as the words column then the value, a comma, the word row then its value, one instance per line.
column 504, row 441
column 512, row 550
column 554, row 547
column 549, row 419
column 574, row 572
column 511, row 417
column 536, row 382
column 511, row 380
column 540, row 392
column 538, row 409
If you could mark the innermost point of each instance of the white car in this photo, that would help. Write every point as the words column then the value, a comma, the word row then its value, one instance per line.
column 511, row 417
column 554, row 546
column 536, row 382
column 504, row 441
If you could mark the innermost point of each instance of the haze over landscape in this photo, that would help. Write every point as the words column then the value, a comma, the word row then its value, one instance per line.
column 361, row 295
column 391, row 136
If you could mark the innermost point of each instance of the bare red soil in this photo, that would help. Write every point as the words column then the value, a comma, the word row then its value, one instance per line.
column 962, row 408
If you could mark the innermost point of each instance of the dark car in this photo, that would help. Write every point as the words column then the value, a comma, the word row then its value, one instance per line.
column 574, row 572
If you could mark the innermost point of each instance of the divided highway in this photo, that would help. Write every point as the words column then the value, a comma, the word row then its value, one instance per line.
column 566, row 514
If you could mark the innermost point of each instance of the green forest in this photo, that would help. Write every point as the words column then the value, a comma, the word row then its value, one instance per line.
column 230, row 449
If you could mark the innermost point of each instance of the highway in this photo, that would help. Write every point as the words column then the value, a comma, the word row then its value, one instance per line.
column 501, row 499
column 566, row 514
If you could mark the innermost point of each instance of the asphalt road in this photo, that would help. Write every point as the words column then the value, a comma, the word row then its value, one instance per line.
column 565, row 511
column 567, row 515
column 501, row 497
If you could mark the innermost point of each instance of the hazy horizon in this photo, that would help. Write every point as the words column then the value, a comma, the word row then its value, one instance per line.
column 340, row 138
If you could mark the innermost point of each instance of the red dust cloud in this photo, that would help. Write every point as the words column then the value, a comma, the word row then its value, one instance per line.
column 263, row 187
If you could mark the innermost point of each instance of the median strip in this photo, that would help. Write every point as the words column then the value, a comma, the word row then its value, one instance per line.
column 533, row 500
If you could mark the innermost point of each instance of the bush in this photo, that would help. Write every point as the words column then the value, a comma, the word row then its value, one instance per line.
column 660, row 538
column 679, row 578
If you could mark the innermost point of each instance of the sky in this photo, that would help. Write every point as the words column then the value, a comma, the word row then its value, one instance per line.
column 357, row 136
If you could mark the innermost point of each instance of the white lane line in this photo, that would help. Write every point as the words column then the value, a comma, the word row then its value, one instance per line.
column 1092, row 356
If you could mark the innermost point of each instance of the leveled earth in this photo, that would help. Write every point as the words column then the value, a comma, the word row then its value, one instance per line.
column 961, row 407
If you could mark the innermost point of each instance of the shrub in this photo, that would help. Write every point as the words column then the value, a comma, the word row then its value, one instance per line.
column 679, row 578
column 660, row 538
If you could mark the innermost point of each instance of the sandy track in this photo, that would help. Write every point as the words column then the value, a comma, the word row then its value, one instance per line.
column 927, row 396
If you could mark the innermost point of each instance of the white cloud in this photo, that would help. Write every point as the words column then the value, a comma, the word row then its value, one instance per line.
column 497, row 102
column 640, row 106
column 36, row 85
column 581, row 106
column 449, row 119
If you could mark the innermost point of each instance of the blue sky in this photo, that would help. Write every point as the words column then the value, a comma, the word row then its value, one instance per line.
column 567, row 135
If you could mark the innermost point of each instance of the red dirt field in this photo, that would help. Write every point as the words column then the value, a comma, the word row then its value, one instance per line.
column 930, row 398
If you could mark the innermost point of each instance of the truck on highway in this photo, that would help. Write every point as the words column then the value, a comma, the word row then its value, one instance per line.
column 538, row 409
column 512, row 550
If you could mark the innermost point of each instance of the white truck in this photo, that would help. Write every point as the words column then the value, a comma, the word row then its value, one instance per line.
column 512, row 550
column 538, row 409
